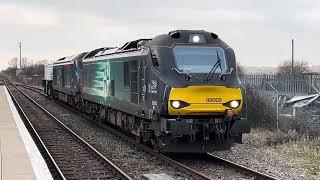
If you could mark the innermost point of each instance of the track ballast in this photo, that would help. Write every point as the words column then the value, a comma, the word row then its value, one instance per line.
column 71, row 156
column 208, row 157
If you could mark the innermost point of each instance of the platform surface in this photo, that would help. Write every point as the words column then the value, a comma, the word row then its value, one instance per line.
column 19, row 157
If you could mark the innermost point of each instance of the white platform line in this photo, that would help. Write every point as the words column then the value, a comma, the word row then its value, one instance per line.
column 0, row 161
column 39, row 166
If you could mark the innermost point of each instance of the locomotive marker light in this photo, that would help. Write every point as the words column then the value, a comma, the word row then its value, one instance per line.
column 175, row 104
column 178, row 104
column 196, row 38
column 234, row 104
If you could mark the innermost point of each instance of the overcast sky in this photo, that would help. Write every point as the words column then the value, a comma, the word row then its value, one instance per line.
column 259, row 31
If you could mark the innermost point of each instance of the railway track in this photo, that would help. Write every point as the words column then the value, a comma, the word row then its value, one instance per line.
column 32, row 88
column 208, row 157
column 186, row 170
column 69, row 156
column 203, row 162
column 238, row 167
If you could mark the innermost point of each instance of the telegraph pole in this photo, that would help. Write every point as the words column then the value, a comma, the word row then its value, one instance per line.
column 20, row 53
column 292, row 55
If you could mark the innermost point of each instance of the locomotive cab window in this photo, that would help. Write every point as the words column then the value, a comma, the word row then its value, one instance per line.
column 199, row 59
column 155, row 61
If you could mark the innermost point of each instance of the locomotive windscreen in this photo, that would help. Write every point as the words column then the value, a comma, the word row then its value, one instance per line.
column 199, row 59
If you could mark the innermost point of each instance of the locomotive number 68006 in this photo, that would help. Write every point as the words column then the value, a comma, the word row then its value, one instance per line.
column 179, row 91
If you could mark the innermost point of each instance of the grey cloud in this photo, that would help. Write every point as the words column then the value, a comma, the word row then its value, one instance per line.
column 259, row 31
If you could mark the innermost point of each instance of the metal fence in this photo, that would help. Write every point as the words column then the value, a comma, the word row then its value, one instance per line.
column 275, row 91
column 289, row 86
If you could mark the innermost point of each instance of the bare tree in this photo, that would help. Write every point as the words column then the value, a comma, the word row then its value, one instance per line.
column 30, row 63
column 13, row 63
column 43, row 62
column 241, row 69
column 299, row 67
column 25, row 62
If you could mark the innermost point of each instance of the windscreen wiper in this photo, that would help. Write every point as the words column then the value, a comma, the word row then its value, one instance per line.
column 214, row 68
column 187, row 75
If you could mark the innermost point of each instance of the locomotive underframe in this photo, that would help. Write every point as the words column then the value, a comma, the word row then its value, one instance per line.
column 199, row 134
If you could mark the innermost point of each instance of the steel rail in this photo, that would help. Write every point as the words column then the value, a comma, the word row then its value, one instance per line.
column 185, row 169
column 241, row 168
column 210, row 157
column 36, row 135
column 119, row 171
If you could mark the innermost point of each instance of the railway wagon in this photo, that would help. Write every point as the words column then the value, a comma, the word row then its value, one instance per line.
column 178, row 91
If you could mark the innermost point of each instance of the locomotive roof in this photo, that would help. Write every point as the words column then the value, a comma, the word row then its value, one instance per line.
column 166, row 40
column 64, row 59
column 69, row 59
column 98, row 51
column 185, row 36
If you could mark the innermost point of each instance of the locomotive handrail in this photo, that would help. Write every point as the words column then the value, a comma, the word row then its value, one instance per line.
column 228, row 73
column 246, row 100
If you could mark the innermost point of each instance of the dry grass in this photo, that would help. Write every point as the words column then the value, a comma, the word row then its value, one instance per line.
column 263, row 137
column 305, row 149
column 308, row 151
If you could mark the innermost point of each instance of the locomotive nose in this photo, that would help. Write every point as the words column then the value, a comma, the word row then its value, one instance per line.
column 204, row 100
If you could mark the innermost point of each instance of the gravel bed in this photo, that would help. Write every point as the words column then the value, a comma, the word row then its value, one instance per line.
column 212, row 170
column 127, row 157
column 135, row 162
column 265, row 159
column 251, row 154
column 77, row 161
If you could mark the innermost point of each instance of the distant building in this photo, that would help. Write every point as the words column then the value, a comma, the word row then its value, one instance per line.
column 261, row 70
column 273, row 70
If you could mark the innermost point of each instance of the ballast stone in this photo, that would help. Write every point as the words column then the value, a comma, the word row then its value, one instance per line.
column 156, row 177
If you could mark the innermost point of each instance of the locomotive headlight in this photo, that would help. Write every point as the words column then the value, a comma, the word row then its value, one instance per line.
column 196, row 38
column 233, row 104
column 177, row 104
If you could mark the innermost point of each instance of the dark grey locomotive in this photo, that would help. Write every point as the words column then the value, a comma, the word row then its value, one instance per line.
column 178, row 91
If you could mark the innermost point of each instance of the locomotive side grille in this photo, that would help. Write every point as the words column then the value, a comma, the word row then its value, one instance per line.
column 134, row 81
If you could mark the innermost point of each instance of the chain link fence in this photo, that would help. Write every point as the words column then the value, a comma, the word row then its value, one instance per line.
column 266, row 102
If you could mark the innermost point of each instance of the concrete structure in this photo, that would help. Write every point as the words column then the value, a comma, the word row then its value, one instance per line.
column 19, row 156
column 273, row 69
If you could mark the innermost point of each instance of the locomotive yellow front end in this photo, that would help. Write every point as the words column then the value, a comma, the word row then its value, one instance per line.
column 205, row 100
column 200, row 97
column 204, row 118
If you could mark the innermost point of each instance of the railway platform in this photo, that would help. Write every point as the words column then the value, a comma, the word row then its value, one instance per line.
column 19, row 156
